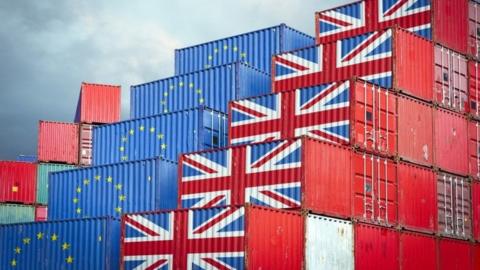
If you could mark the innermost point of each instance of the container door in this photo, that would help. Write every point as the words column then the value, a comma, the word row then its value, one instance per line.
column 450, row 79
column 473, row 89
column 214, row 130
column 86, row 135
column 474, row 29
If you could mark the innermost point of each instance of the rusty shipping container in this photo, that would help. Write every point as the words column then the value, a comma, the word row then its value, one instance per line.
column 450, row 142
column 18, row 182
column 476, row 210
column 474, row 149
column 296, row 173
column 98, row 104
column 473, row 89
column 58, row 142
column 442, row 21
column 85, row 144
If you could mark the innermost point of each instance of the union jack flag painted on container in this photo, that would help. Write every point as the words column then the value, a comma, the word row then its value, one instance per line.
column 370, row 15
column 368, row 56
column 265, row 174
column 194, row 239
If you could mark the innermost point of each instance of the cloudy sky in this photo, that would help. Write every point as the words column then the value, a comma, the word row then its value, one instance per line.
column 47, row 48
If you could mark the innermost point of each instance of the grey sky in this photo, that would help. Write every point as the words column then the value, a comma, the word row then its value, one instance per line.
column 47, row 48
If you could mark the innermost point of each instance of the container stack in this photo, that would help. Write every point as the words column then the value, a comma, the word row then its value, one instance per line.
column 359, row 151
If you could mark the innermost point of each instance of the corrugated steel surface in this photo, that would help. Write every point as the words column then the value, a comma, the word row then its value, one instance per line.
column 41, row 213
column 18, row 182
column 98, row 103
column 85, row 147
column 68, row 244
column 391, row 58
column 450, row 141
column 165, row 135
column 474, row 149
column 58, row 142
column 476, row 210
column 476, row 256
column 241, row 238
column 417, row 200
column 255, row 48
column 417, row 251
column 454, row 255
column 349, row 112
column 442, row 21
column 43, row 172
column 15, row 213
column 212, row 87
column 376, row 248
column 111, row 190
column 451, row 79
column 473, row 26
column 329, row 243
column 473, row 89
column 454, row 204
column 27, row 158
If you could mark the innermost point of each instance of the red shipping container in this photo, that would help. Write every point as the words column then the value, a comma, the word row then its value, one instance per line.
column 474, row 149
column 376, row 248
column 454, row 204
column 391, row 58
column 18, row 182
column 98, row 104
column 297, row 173
column 41, row 213
column 450, row 142
column 473, row 89
column 476, row 210
column 86, row 144
column 440, row 20
column 454, row 255
column 417, row 200
column 215, row 238
column 417, row 251
column 476, row 256
column 58, row 142
column 473, row 29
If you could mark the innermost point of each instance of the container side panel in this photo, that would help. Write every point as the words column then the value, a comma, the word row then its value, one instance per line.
column 473, row 104
column 58, row 142
column 43, row 173
column 473, row 26
column 476, row 210
column 411, row 246
column 376, row 248
column 454, row 255
column 450, row 24
column 41, row 213
column 18, row 182
column 15, row 213
column 27, row 158
column 474, row 149
column 99, row 104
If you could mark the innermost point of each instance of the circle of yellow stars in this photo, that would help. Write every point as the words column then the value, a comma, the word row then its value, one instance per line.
column 181, row 86
column 225, row 48
column 40, row 236
column 131, row 132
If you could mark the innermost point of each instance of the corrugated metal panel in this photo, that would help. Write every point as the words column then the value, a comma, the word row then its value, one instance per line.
column 454, row 206
column 212, row 87
column 255, row 48
column 473, row 89
column 239, row 239
column 451, row 136
column 43, row 171
column 376, row 248
column 58, row 142
column 417, row 202
column 454, row 255
column 16, row 213
column 27, row 158
column 86, row 136
column 41, row 213
column 476, row 210
column 473, row 29
column 329, row 243
column 451, row 79
column 389, row 58
column 444, row 21
column 476, row 256
column 111, row 190
column 474, row 149
column 98, row 103
column 17, row 182
column 165, row 135
column 68, row 244
column 411, row 246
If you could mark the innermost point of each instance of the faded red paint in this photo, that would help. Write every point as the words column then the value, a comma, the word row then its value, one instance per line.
column 98, row 104
column 18, row 182
column 414, row 244
column 376, row 248
column 58, row 142
column 41, row 213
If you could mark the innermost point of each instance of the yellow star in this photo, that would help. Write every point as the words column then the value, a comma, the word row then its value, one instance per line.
column 180, row 84
column 171, row 87
column 97, row 177
column 124, row 139
column 18, row 250
column 199, row 91
column 163, row 102
column 75, row 200
column 207, row 66
column 122, row 197
column 13, row 263
column 79, row 189
column 99, row 238
column 54, row 237
column 118, row 209
column 235, row 49
column 86, row 182
column 132, row 131
column 152, row 129
column 165, row 111
column 215, row 50
column 26, row 241
column 79, row 210
column 201, row 100
column 164, row 146
column 65, row 246
column 243, row 55
column 210, row 58
column 142, row 128
column 124, row 158
column 122, row 148
column 160, row 136
column 118, row 186
column 190, row 85
column 109, row 179
column 149, row 178
column 225, row 47
column 69, row 259
column 39, row 235
column 165, row 94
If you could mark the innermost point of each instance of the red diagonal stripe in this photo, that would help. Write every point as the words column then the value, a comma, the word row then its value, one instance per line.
column 215, row 220
column 214, row 201
column 266, row 158
column 291, row 64
column 280, row 199
column 325, row 92
column 141, row 226
column 395, row 7
column 156, row 265
column 215, row 264
column 200, row 166
column 326, row 136
column 247, row 110
column 365, row 44
column 334, row 20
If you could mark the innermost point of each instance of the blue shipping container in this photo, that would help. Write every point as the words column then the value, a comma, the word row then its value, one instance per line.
column 213, row 87
column 27, row 158
column 255, row 48
column 110, row 190
column 92, row 244
column 164, row 135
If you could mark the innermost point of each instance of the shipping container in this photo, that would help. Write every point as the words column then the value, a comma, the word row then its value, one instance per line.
column 16, row 213
column 58, row 142
column 476, row 210
column 85, row 147
column 111, row 190
column 417, row 200
column 417, row 251
column 476, row 256
column 391, row 58
column 166, row 135
column 67, row 244
column 237, row 237
column 454, row 204
column 474, row 149
column 41, row 213
column 376, row 248
column 473, row 29
column 27, row 158
column 212, row 87
column 454, row 255
column 18, row 182
column 98, row 104
column 255, row 48
column 442, row 21
column 450, row 141
column 43, row 173
column 296, row 173
column 473, row 90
